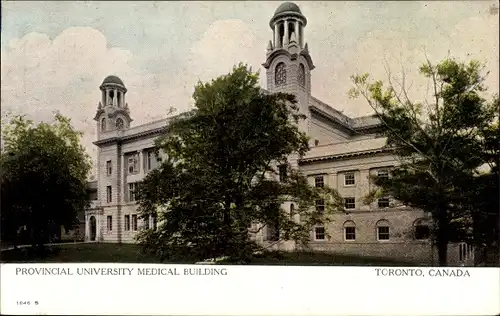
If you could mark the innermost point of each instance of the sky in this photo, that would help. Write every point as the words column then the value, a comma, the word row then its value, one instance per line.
column 54, row 55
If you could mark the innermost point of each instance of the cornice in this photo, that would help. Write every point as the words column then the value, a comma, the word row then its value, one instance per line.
column 304, row 161
column 294, row 56
column 287, row 14
column 118, row 138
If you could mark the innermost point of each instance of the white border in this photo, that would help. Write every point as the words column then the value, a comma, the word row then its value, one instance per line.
column 251, row 290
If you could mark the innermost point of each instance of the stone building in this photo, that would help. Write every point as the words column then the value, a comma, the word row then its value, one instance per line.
column 344, row 152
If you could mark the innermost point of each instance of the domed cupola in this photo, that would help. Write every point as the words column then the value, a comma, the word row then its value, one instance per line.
column 113, row 112
column 288, row 24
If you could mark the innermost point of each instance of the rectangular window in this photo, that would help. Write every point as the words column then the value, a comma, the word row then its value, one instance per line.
column 319, row 233
column 318, row 182
column 131, row 192
column 109, row 223
column 127, row 222
column 383, row 202
column 349, row 179
column 383, row 173
column 273, row 233
column 133, row 163
column 109, row 168
column 320, row 206
column 349, row 203
column 350, row 233
column 109, row 194
column 283, row 173
column 146, row 222
column 134, row 222
column 383, row 232
column 155, row 222
column 149, row 160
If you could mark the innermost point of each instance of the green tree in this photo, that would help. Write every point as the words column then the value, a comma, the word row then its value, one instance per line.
column 483, row 192
column 438, row 143
column 43, row 179
column 219, row 180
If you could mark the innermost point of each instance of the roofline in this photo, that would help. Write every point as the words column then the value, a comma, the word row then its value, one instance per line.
column 304, row 161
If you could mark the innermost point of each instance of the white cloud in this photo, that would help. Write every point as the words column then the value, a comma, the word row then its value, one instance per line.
column 224, row 44
column 40, row 75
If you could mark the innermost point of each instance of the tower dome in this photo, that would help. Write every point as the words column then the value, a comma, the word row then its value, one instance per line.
column 287, row 7
column 112, row 80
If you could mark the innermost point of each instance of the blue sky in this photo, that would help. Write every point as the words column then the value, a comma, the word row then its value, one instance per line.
column 55, row 54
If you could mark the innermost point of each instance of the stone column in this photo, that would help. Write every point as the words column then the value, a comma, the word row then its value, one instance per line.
column 123, row 174
column 97, row 227
column 301, row 33
column 87, row 234
column 276, row 35
column 115, row 99
column 297, row 33
column 107, row 98
column 103, row 98
column 285, row 40
column 141, row 162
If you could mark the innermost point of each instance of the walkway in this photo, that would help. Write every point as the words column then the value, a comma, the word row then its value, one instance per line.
column 51, row 244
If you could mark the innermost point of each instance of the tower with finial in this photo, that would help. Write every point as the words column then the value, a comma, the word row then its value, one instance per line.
column 112, row 112
column 288, row 63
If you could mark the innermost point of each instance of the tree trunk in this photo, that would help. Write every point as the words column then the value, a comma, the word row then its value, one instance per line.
column 227, row 229
column 442, row 238
column 442, row 252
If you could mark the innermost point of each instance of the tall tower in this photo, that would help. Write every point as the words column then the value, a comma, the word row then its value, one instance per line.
column 288, row 63
column 288, row 68
column 112, row 112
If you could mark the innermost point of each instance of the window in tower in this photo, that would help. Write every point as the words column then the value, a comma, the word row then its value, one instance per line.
column 111, row 97
column 301, row 78
column 103, row 124
column 291, row 30
column 280, row 74
column 119, row 123
column 281, row 30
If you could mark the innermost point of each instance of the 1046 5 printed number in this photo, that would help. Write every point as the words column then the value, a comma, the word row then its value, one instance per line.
column 26, row 303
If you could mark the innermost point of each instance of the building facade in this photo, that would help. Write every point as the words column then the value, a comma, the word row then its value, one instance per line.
column 345, row 152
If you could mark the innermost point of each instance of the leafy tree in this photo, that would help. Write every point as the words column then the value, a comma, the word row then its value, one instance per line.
column 483, row 192
column 43, row 178
column 439, row 143
column 219, row 180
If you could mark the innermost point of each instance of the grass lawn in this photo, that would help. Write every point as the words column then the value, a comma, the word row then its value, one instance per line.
column 130, row 253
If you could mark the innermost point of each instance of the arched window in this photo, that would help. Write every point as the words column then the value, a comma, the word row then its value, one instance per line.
column 292, row 210
column 421, row 229
column 349, row 230
column 301, row 77
column 280, row 74
column 383, row 230
column 119, row 123
column 103, row 124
